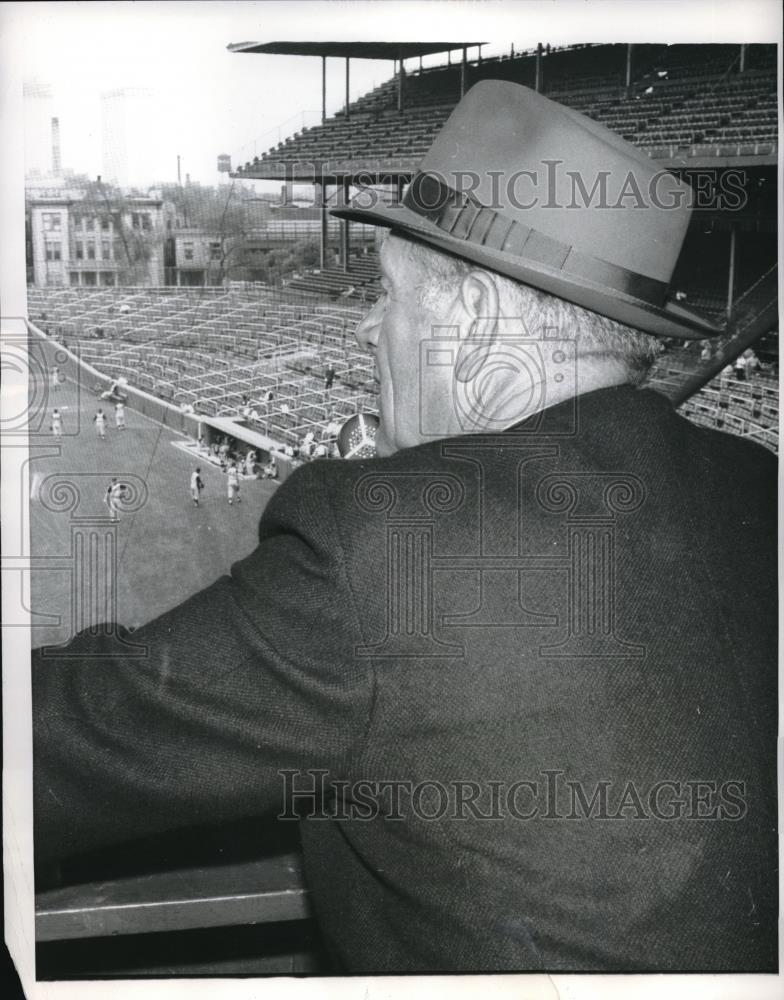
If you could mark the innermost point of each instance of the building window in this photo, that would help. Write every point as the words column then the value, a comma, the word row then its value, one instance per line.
column 53, row 251
column 89, row 224
column 52, row 222
column 187, row 251
column 91, row 250
column 79, row 250
column 89, row 278
column 74, row 277
column 106, row 250
column 135, row 223
column 215, row 251
column 146, row 222
column 107, row 277
column 76, row 221
column 106, row 225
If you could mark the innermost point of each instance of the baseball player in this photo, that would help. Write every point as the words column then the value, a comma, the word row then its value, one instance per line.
column 100, row 424
column 113, row 497
column 234, row 484
column 196, row 486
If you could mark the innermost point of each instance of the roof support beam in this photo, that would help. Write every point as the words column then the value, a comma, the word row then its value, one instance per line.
column 323, row 89
column 401, row 85
column 344, row 224
column 320, row 192
column 731, row 275
column 538, row 84
column 463, row 73
column 348, row 60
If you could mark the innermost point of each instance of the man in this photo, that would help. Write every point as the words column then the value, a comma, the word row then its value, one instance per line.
column 100, row 423
column 113, row 498
column 119, row 416
column 233, row 484
column 270, row 470
column 531, row 721
column 307, row 444
column 197, row 485
column 113, row 388
column 223, row 452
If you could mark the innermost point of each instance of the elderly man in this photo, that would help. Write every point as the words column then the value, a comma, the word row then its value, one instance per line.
column 513, row 675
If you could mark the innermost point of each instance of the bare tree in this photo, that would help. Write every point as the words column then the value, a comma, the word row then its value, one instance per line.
column 135, row 239
column 221, row 214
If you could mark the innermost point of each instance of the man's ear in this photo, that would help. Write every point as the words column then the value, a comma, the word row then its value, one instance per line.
column 479, row 298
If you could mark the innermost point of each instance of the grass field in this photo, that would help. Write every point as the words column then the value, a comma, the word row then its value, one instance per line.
column 165, row 551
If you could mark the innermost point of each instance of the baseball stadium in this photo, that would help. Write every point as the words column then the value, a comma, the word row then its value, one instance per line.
column 266, row 376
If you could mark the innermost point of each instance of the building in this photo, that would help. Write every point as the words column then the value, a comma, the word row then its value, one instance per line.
column 196, row 257
column 78, row 240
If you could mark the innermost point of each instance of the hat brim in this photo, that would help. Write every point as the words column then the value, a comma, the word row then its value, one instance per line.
column 670, row 320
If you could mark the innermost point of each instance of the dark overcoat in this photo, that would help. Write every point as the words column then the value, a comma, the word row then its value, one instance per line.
column 534, row 675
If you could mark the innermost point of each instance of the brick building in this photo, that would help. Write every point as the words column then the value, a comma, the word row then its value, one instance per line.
column 79, row 241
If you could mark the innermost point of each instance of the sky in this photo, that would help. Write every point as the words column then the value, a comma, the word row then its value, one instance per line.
column 209, row 101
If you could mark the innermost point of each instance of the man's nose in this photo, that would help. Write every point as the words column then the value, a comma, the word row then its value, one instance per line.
column 366, row 332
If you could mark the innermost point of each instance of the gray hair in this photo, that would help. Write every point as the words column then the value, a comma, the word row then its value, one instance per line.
column 594, row 335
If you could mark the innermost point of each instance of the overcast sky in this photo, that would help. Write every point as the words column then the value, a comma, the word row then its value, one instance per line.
column 211, row 101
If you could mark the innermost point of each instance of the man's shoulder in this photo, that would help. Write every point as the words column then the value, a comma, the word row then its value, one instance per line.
column 352, row 488
column 337, row 476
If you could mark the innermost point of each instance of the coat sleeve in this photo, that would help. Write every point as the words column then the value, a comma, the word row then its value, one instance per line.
column 253, row 675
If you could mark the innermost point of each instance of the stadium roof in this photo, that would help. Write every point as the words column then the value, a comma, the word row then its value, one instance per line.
column 351, row 50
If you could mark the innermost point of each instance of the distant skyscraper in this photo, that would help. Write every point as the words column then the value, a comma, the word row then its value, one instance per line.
column 57, row 164
column 128, row 126
column 38, row 115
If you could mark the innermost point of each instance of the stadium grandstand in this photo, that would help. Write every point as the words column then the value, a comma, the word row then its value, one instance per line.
column 220, row 352
column 672, row 100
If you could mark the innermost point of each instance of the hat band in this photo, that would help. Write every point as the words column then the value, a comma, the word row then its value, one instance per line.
column 462, row 216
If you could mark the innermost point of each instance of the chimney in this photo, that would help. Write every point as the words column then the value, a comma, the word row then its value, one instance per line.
column 56, row 162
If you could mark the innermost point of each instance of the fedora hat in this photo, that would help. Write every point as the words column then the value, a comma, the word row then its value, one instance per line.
column 535, row 191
